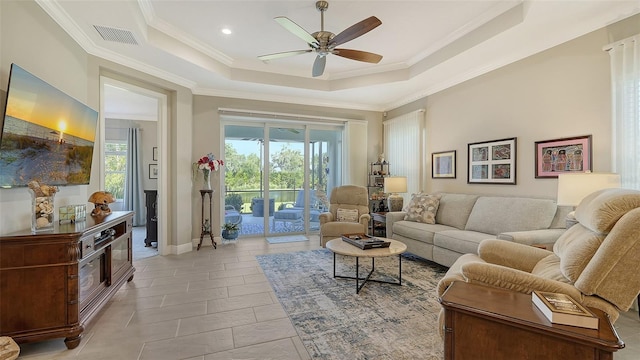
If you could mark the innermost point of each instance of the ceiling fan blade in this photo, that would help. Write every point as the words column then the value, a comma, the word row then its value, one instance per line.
column 297, row 30
column 282, row 54
column 358, row 55
column 318, row 65
column 355, row 30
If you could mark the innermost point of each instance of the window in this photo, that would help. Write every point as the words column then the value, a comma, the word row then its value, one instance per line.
column 403, row 147
column 115, row 168
column 625, row 75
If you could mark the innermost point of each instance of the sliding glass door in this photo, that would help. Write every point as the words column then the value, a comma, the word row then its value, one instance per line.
column 277, row 176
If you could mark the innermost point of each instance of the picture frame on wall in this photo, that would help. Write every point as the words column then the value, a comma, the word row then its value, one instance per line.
column 492, row 162
column 443, row 164
column 567, row 155
column 153, row 171
column 155, row 153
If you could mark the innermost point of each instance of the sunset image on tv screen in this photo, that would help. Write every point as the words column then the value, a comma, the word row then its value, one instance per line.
column 47, row 135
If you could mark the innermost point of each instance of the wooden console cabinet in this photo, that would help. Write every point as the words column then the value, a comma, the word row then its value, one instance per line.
column 53, row 283
column 490, row 323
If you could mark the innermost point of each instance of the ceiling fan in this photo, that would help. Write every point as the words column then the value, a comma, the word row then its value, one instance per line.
column 325, row 42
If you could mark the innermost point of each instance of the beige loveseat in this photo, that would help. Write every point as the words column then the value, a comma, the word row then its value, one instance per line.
column 594, row 261
column 462, row 221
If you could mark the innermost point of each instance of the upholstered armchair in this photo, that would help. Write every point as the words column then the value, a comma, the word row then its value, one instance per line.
column 595, row 261
column 348, row 213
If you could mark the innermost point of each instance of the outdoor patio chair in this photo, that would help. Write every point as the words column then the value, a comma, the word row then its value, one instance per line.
column 231, row 215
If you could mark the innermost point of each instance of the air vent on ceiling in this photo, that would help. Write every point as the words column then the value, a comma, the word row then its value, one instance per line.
column 116, row 35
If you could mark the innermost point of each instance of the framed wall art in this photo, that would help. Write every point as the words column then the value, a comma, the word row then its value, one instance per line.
column 492, row 162
column 566, row 155
column 443, row 164
column 153, row 171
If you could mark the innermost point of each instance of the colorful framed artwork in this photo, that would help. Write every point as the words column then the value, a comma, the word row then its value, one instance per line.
column 492, row 162
column 566, row 155
column 443, row 164
column 153, row 171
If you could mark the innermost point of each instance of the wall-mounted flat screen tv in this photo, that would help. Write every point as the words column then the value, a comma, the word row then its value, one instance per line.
column 47, row 135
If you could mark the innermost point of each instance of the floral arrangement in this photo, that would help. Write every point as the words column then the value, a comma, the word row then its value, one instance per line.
column 209, row 162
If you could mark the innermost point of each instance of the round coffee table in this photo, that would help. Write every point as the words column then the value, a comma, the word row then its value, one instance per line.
column 337, row 246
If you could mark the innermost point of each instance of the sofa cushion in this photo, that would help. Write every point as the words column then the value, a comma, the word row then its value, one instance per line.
column 454, row 209
column 495, row 215
column 460, row 241
column 349, row 215
column 600, row 210
column 575, row 248
column 422, row 208
column 418, row 231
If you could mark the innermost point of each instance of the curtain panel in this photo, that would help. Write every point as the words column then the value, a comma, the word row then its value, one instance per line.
column 625, row 77
column 134, row 188
column 404, row 146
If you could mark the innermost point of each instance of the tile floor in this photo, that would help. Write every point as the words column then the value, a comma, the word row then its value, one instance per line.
column 215, row 304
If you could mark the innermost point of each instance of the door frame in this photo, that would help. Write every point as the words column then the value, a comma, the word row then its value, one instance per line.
column 163, row 145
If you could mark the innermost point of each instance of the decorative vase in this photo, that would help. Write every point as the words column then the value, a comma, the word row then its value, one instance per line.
column 207, row 179
column 230, row 234
column 41, row 212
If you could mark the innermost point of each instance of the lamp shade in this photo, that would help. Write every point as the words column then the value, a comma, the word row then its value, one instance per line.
column 573, row 187
column 395, row 184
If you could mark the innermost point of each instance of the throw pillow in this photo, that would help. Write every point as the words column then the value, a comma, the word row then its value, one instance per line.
column 348, row 215
column 405, row 207
column 423, row 208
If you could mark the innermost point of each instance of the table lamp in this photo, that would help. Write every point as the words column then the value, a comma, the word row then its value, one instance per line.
column 573, row 187
column 394, row 185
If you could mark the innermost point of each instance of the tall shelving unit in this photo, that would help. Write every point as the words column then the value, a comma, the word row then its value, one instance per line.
column 375, row 184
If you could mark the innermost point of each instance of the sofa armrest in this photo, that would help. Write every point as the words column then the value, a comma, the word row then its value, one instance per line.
column 510, row 254
column 325, row 217
column 391, row 217
column 533, row 237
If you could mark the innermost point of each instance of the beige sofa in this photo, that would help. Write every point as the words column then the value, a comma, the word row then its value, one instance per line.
column 594, row 261
column 462, row 221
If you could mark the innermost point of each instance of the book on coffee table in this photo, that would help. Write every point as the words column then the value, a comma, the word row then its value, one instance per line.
column 364, row 241
column 563, row 309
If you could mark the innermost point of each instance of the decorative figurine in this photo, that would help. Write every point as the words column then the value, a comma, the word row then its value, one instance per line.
column 101, row 199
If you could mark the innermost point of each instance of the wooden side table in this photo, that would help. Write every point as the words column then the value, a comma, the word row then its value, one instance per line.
column 379, row 223
column 500, row 324
column 206, row 222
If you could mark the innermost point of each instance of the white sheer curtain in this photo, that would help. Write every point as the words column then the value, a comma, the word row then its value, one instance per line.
column 625, row 77
column 404, row 149
column 133, row 188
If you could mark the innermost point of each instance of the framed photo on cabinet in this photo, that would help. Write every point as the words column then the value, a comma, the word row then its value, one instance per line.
column 492, row 162
column 443, row 164
column 566, row 155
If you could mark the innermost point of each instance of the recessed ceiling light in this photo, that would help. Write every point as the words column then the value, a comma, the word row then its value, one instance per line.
column 226, row 31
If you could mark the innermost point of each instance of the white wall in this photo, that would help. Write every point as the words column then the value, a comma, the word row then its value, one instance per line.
column 27, row 36
column 30, row 38
column 562, row 92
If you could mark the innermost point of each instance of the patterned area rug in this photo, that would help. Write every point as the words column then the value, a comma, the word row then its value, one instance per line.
column 382, row 322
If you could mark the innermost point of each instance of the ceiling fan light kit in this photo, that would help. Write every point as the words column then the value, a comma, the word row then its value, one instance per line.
column 325, row 42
